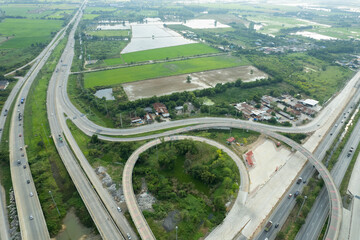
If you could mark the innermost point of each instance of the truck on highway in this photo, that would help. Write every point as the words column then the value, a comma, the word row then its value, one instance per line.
column 60, row 138
column 20, row 117
column 268, row 226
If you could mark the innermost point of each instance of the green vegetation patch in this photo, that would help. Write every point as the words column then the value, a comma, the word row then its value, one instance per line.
column 90, row 16
column 131, row 74
column 23, row 33
column 109, row 33
column 104, row 49
column 316, row 78
column 111, row 155
column 163, row 53
column 191, row 181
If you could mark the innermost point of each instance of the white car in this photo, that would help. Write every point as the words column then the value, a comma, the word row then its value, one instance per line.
column 31, row 194
column 128, row 235
column 31, row 217
column 119, row 209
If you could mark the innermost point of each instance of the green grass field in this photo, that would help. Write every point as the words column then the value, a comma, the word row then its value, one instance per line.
column 24, row 32
column 36, row 10
column 99, row 9
column 109, row 33
column 163, row 53
column 90, row 16
column 131, row 74
column 60, row 14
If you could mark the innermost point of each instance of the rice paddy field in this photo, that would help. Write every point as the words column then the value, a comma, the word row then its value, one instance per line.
column 24, row 32
column 36, row 10
column 163, row 53
column 149, row 71
column 110, row 33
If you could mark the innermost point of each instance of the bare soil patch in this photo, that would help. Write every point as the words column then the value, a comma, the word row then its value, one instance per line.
column 199, row 80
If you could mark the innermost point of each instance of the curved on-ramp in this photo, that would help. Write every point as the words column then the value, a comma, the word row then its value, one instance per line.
column 135, row 212
column 139, row 220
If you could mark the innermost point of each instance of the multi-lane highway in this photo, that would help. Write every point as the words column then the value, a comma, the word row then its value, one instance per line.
column 320, row 210
column 109, row 221
column 328, row 114
column 284, row 208
column 59, row 103
column 31, row 219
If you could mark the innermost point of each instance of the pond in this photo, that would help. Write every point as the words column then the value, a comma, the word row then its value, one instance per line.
column 107, row 93
column 73, row 229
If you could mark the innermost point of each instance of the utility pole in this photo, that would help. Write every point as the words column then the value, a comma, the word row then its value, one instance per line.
column 176, row 228
column 54, row 203
column 301, row 206
column 121, row 121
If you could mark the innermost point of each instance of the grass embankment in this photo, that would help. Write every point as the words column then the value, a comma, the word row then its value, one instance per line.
column 47, row 169
column 242, row 136
column 334, row 158
column 111, row 155
column 190, row 180
column 163, row 53
column 136, row 73
column 5, row 174
column 297, row 137
column 75, row 89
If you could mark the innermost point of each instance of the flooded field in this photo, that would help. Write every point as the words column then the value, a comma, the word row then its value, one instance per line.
column 204, row 24
column 199, row 80
column 152, row 36
column 313, row 35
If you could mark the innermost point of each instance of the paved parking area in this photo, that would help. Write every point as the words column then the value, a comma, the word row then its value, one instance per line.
column 268, row 160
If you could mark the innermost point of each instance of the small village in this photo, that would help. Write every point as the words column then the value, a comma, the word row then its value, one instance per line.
column 283, row 109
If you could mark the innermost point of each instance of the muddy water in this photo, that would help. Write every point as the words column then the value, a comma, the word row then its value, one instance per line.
column 73, row 229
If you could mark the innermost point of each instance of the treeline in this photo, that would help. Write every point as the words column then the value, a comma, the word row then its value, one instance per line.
column 328, row 50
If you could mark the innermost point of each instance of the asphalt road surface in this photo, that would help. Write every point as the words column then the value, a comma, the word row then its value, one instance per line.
column 110, row 223
column 319, row 212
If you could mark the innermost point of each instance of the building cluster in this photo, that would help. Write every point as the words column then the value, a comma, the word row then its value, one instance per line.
column 294, row 46
column 189, row 34
column 352, row 64
column 284, row 107
column 157, row 109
